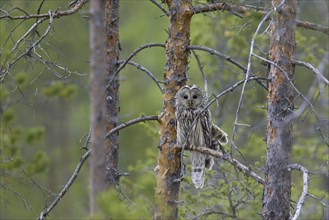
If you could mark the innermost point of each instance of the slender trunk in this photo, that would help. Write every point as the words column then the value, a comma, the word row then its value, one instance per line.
column 277, row 190
column 112, row 93
column 175, row 76
column 98, row 180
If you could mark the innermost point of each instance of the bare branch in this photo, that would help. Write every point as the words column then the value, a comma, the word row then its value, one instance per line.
column 321, row 200
column 46, row 212
column 235, row 9
column 221, row 7
column 36, row 43
column 28, row 32
column 219, row 54
column 134, row 53
column 304, row 105
column 305, row 188
column 56, row 14
column 160, row 6
column 247, row 75
column 245, row 170
column 209, row 211
column 227, row 58
column 133, row 121
column 64, row 190
column 149, row 73
column 230, row 89
column 205, row 82
column 316, row 72
column 312, row 26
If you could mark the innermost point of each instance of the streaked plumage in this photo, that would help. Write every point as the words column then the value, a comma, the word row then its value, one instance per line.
column 195, row 129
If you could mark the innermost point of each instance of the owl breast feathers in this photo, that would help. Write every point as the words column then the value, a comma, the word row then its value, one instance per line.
column 195, row 129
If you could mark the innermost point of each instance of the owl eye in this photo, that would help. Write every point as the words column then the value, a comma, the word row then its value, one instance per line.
column 195, row 96
column 185, row 96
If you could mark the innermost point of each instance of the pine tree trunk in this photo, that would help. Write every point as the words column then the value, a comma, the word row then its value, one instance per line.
column 112, row 93
column 277, row 190
column 175, row 76
column 104, row 95
column 98, row 182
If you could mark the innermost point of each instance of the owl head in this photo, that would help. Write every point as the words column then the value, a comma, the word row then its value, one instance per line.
column 189, row 97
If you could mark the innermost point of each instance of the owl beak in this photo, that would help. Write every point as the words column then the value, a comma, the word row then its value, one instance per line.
column 190, row 103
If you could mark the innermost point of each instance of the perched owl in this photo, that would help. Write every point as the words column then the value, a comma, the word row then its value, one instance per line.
column 195, row 129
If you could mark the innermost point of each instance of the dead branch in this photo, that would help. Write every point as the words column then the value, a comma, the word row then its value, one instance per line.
column 205, row 82
column 219, row 54
column 143, row 118
column 242, row 168
column 210, row 211
column 57, row 14
column 230, row 89
column 32, row 47
column 46, row 212
column 149, row 73
column 247, row 75
column 227, row 58
column 304, row 105
column 134, row 53
column 160, row 6
column 316, row 72
column 235, row 9
column 312, row 26
column 83, row 159
column 301, row 200
column 320, row 200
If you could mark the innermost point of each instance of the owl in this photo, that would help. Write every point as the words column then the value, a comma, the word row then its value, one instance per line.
column 195, row 129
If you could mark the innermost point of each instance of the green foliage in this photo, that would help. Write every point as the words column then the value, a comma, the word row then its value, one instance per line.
column 3, row 94
column 39, row 163
column 21, row 78
column 61, row 90
column 34, row 134
column 8, row 116
column 223, row 193
column 133, row 198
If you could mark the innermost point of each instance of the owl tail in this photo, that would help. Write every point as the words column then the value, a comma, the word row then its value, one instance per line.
column 198, row 169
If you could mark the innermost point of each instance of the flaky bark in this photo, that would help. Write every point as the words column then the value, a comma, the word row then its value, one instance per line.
column 112, row 93
column 98, row 182
column 276, row 197
column 175, row 76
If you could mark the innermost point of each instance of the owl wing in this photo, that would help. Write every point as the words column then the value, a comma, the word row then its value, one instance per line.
column 219, row 134
column 206, row 127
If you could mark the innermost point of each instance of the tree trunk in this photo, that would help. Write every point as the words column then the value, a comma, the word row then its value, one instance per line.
column 175, row 76
column 98, row 181
column 112, row 93
column 104, row 95
column 277, row 190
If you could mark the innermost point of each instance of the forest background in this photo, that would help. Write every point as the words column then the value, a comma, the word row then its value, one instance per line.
column 45, row 114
